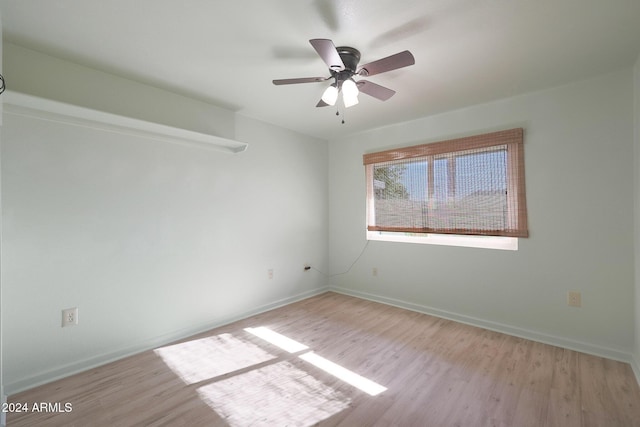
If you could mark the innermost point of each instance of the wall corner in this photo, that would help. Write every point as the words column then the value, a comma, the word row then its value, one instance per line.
column 636, row 216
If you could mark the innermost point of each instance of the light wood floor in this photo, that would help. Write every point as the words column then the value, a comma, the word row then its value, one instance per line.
column 437, row 373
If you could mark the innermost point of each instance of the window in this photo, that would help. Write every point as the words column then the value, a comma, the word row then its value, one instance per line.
column 467, row 186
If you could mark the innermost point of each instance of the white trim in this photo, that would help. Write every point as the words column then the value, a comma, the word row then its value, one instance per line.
column 95, row 361
column 83, row 365
column 619, row 355
column 45, row 109
column 635, row 365
column 484, row 242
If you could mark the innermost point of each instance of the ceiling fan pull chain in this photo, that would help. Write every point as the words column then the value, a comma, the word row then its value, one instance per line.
column 338, row 112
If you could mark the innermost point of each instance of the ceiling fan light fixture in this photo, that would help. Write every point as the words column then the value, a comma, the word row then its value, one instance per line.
column 349, row 93
column 349, row 88
column 330, row 95
column 349, row 101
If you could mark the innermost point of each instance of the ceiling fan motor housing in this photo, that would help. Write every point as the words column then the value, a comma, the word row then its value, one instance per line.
column 350, row 57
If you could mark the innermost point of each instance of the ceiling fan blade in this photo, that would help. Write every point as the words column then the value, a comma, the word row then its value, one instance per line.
column 300, row 80
column 393, row 62
column 329, row 54
column 380, row 92
column 321, row 103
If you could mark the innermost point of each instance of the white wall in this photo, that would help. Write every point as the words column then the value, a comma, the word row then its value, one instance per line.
column 636, row 117
column 579, row 178
column 2, row 395
column 150, row 240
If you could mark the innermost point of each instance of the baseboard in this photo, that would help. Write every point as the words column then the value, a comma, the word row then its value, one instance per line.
column 635, row 365
column 99, row 360
column 83, row 365
column 495, row 326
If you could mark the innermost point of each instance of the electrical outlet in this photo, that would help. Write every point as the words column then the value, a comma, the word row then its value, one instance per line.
column 574, row 299
column 69, row 317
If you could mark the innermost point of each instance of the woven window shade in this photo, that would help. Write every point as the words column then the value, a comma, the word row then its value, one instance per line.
column 470, row 186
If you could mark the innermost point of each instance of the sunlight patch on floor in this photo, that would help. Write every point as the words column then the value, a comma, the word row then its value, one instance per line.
column 370, row 387
column 274, row 395
column 257, row 393
column 202, row 359
column 285, row 343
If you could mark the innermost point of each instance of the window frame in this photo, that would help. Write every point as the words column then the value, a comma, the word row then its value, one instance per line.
column 512, row 139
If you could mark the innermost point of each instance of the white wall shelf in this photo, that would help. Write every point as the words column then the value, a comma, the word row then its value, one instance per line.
column 45, row 109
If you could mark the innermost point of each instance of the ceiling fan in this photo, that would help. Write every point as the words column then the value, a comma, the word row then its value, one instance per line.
column 343, row 66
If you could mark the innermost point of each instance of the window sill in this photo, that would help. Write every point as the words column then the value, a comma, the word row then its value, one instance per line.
column 484, row 242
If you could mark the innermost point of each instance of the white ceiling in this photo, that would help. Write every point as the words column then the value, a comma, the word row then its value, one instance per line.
column 227, row 52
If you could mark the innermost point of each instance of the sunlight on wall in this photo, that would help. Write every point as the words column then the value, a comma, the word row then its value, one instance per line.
column 206, row 358
column 275, row 395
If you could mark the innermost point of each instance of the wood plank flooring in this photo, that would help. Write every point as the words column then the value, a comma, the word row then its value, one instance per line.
column 437, row 373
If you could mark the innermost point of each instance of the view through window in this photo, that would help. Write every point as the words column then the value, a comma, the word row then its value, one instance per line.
column 465, row 186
